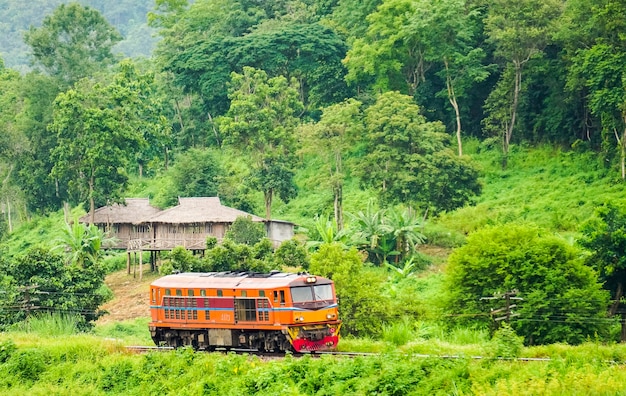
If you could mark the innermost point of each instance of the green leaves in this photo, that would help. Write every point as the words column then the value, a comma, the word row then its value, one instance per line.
column 545, row 270
column 74, row 42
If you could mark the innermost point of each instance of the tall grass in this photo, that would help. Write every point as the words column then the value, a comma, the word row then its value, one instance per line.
column 49, row 324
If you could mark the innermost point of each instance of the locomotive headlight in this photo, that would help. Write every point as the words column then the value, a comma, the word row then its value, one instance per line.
column 330, row 316
column 300, row 319
column 311, row 279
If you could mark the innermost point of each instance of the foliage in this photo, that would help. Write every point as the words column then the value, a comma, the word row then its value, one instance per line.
column 97, row 127
column 261, row 121
column 506, row 343
column 196, row 173
column 47, row 284
column 359, row 291
column 562, row 300
column 407, row 160
column 73, row 43
column 384, row 234
column 232, row 256
column 244, row 230
column 183, row 260
column 604, row 236
column 292, row 254
column 83, row 243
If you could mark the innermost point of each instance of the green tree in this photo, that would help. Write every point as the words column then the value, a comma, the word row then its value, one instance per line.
column 13, row 142
column 407, row 159
column 562, row 299
column 605, row 238
column 261, row 122
column 59, row 287
column 519, row 31
column 196, row 173
column 593, row 36
column 292, row 254
column 449, row 29
column 73, row 43
column 82, row 243
column 245, row 231
column 332, row 139
column 363, row 305
column 98, row 127
column 387, row 56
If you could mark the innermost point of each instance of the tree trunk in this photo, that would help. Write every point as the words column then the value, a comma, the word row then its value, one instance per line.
column 268, row 203
column 516, row 91
column 338, row 192
column 455, row 106
column 92, row 203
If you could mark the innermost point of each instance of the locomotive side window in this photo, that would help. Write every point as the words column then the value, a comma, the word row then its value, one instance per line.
column 203, row 292
column 179, row 292
column 168, row 292
column 219, row 293
column 282, row 296
column 244, row 293
column 261, row 293
column 153, row 295
column 275, row 296
column 190, row 293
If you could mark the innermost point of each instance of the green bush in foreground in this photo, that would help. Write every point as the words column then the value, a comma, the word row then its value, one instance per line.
column 80, row 365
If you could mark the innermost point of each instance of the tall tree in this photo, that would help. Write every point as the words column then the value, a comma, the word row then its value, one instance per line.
column 98, row 128
column 449, row 29
column 408, row 160
column 72, row 43
column 597, row 67
column 262, row 122
column 331, row 139
column 388, row 56
column 519, row 31
column 13, row 141
column 604, row 237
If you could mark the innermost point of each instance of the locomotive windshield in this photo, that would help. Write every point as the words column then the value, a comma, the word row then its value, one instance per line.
column 312, row 296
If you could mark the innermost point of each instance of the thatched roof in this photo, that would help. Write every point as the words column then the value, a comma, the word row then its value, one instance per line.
column 136, row 210
column 200, row 210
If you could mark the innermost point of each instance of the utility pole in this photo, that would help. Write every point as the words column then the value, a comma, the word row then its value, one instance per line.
column 27, row 305
column 506, row 312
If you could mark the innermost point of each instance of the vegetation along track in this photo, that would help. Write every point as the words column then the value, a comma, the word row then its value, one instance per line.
column 263, row 354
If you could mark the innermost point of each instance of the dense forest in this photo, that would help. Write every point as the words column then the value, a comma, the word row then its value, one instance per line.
column 379, row 107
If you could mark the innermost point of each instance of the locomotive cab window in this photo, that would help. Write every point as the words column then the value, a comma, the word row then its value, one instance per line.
column 312, row 296
column 153, row 295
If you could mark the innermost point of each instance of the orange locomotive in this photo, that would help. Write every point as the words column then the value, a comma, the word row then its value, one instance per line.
column 270, row 312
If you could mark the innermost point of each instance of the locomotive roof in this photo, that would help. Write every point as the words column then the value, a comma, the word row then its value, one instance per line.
column 235, row 280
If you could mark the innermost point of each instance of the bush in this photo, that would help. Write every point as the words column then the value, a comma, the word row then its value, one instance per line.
column 505, row 343
column 7, row 349
column 562, row 300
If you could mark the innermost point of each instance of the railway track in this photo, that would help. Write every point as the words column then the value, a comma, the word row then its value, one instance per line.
column 278, row 355
column 146, row 349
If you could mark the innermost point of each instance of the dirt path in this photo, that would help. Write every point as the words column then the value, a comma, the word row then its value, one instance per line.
column 130, row 296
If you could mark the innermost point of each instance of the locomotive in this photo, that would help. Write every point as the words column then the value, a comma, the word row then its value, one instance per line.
column 275, row 312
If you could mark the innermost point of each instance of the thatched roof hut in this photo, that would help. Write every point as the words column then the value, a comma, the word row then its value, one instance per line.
column 200, row 210
column 134, row 211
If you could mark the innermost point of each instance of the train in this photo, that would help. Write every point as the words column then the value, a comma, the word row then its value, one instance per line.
column 270, row 312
